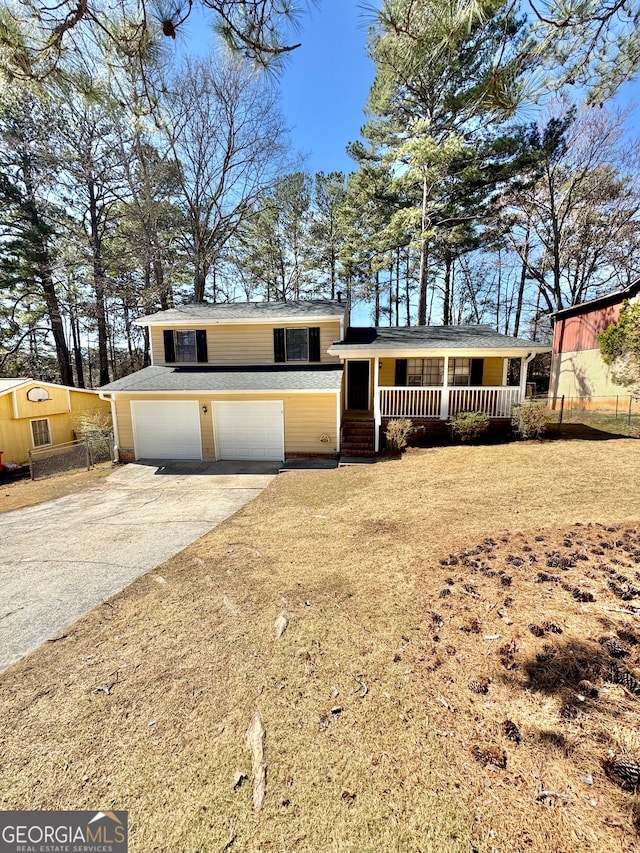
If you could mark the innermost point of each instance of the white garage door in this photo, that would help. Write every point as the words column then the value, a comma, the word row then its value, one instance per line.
column 249, row 430
column 166, row 429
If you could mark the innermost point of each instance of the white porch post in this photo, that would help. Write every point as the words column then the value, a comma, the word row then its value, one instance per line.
column 338, row 419
column 444, row 399
column 377, row 418
column 505, row 370
column 524, row 364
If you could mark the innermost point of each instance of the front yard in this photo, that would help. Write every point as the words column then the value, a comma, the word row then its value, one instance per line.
column 440, row 685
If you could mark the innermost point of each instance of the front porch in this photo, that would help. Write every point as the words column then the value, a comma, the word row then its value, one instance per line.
column 444, row 402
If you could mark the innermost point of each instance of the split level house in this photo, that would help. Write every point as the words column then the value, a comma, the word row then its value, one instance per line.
column 275, row 380
column 577, row 368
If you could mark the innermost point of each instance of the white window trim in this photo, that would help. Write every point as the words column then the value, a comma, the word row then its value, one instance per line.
column 33, row 443
column 286, row 348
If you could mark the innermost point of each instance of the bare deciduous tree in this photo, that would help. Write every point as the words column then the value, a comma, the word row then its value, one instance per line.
column 226, row 136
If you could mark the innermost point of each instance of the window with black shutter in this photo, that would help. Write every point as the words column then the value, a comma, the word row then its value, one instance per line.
column 296, row 344
column 185, row 345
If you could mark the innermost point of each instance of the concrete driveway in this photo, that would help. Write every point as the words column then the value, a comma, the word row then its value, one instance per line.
column 60, row 559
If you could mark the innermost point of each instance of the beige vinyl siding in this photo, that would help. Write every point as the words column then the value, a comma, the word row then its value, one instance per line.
column 307, row 417
column 492, row 373
column 249, row 343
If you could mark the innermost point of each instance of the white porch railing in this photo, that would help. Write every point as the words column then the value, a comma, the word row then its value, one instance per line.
column 410, row 402
column 494, row 401
column 438, row 402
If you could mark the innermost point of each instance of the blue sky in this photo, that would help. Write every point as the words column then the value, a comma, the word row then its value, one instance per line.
column 325, row 83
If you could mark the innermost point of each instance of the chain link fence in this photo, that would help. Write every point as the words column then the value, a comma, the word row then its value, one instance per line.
column 618, row 414
column 82, row 453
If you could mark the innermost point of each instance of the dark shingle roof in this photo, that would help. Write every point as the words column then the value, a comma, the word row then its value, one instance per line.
column 430, row 337
column 203, row 312
column 156, row 378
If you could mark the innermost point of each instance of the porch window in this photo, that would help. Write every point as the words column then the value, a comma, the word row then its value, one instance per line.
column 40, row 432
column 425, row 372
column 459, row 371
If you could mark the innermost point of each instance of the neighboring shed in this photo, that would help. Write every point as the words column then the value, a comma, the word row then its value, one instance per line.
column 577, row 368
column 37, row 414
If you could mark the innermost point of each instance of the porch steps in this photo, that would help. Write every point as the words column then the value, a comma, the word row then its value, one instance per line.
column 358, row 438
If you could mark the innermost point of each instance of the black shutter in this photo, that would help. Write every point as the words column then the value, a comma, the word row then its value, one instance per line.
column 201, row 345
column 477, row 368
column 314, row 343
column 401, row 372
column 278, row 345
column 169, row 346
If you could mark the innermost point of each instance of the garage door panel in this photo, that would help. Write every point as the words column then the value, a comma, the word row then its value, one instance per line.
column 166, row 429
column 249, row 429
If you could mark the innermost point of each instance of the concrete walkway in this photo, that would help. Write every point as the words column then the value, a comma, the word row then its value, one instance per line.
column 61, row 559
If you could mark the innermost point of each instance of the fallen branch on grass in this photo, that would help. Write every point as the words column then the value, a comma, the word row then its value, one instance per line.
column 255, row 740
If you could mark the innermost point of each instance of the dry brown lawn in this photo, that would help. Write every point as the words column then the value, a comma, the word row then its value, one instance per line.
column 431, row 600
column 20, row 493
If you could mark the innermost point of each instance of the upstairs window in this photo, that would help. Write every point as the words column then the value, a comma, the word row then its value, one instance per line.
column 40, row 432
column 185, row 346
column 296, row 344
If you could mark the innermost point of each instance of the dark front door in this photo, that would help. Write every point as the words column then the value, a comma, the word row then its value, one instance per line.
column 358, row 385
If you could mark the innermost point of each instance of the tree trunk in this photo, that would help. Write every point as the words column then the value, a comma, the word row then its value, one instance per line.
column 95, row 241
column 391, row 297
column 424, row 261
column 127, row 331
column 199, row 281
column 146, row 357
column 523, row 281
column 77, row 349
column 45, row 274
column 407, row 288
column 446, row 304
column 398, row 286
column 55, row 319
column 164, row 293
column 376, row 321
column 332, row 262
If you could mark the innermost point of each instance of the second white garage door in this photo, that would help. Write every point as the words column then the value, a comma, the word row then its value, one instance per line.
column 166, row 429
column 249, row 430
